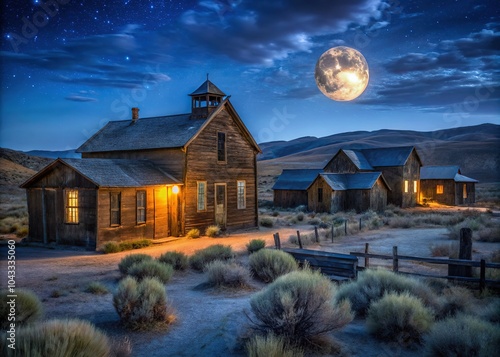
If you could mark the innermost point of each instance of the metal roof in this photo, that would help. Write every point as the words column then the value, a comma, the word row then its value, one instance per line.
column 146, row 133
column 392, row 156
column 208, row 88
column 358, row 159
column 462, row 178
column 357, row 181
column 296, row 179
column 120, row 172
column 439, row 172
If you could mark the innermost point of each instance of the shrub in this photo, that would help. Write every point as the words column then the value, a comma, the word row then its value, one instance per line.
column 373, row 284
column 314, row 221
column 151, row 269
column 121, row 347
column 271, row 346
column 491, row 312
column 178, row 260
column 266, row 222
column 60, row 338
column 224, row 274
column 204, row 256
column 306, row 239
column 300, row 216
column 269, row 264
column 142, row 305
column 111, row 247
column 255, row 245
column 275, row 214
column 96, row 288
column 212, row 231
column 300, row 307
column 453, row 300
column 193, row 233
column 491, row 235
column 401, row 222
column 28, row 308
column 463, row 336
column 399, row 317
column 135, row 244
column 441, row 250
column 130, row 260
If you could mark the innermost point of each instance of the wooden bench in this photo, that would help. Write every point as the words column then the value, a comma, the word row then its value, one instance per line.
column 336, row 266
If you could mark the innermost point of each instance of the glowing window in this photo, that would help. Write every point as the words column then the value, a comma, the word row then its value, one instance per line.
column 415, row 187
column 439, row 189
column 202, row 195
column 242, row 202
column 406, row 185
column 141, row 207
column 71, row 206
column 115, row 208
column 464, row 191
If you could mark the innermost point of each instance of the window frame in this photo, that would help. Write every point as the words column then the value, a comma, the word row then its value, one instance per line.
column 224, row 143
column 439, row 189
column 238, row 194
column 320, row 194
column 198, row 196
column 142, row 208
column 114, row 209
column 74, row 217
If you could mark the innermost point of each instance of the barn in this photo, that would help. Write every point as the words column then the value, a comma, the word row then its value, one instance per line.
column 151, row 178
column 290, row 189
column 331, row 192
column 446, row 185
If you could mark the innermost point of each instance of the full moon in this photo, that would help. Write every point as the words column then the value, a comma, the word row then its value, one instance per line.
column 342, row 73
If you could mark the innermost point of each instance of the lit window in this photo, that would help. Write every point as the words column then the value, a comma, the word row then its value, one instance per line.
column 221, row 146
column 320, row 195
column 71, row 206
column 464, row 191
column 115, row 208
column 141, row 207
column 415, row 187
column 242, row 202
column 406, row 185
column 202, row 196
column 439, row 189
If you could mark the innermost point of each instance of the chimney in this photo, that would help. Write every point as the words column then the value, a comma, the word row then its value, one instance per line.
column 135, row 114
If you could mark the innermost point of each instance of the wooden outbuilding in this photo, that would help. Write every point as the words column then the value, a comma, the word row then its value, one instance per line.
column 290, row 189
column 332, row 192
column 205, row 174
column 446, row 185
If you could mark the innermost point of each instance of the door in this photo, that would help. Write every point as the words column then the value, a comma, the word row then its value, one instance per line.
column 160, row 212
column 220, row 205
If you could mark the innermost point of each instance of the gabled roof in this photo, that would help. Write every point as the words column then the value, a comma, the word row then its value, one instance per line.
column 113, row 172
column 296, row 179
column 444, row 173
column 357, row 181
column 173, row 131
column 358, row 159
column 392, row 156
column 208, row 88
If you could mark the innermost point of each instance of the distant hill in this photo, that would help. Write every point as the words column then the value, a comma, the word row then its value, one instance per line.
column 67, row 154
column 476, row 149
column 16, row 167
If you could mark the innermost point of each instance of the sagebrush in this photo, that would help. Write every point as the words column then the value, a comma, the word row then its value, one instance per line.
column 271, row 346
column 151, row 269
column 132, row 259
column 268, row 264
column 214, row 252
column 178, row 260
column 28, row 308
column 255, row 245
column 227, row 274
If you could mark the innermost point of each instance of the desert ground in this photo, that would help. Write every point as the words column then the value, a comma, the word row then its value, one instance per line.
column 208, row 322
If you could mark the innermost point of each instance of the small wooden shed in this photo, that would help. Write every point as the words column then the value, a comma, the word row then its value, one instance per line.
column 446, row 185
column 362, row 191
column 290, row 189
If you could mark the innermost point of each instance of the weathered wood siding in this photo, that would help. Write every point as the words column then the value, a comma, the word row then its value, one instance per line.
column 428, row 191
column 312, row 196
column 470, row 188
column 290, row 198
column 341, row 164
column 202, row 165
column 378, row 196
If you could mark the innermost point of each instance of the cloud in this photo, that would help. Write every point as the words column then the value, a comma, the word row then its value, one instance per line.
column 78, row 98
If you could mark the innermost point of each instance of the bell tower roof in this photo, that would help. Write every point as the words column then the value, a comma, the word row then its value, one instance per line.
column 208, row 88
column 205, row 99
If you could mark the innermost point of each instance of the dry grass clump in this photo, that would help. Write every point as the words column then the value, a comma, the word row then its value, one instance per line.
column 114, row 247
column 214, row 252
column 489, row 234
column 463, row 336
column 212, row 231
column 300, row 307
column 255, row 245
column 130, row 260
column 142, row 305
column 401, row 222
column 97, row 288
column 269, row 264
column 151, row 269
column 399, row 317
column 28, row 308
column 193, row 233
column 373, row 284
column 306, row 239
column 59, row 338
column 15, row 225
column 445, row 250
column 266, row 222
column 223, row 274
column 271, row 346
column 454, row 300
column 178, row 260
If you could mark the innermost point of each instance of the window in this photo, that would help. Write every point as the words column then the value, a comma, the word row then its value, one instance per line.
column 320, row 195
column 202, row 196
column 406, row 185
column 439, row 189
column 141, row 207
column 221, row 146
column 464, row 191
column 415, row 187
column 115, row 198
column 242, row 201
column 72, row 206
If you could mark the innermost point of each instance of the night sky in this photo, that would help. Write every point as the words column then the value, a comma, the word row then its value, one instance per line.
column 68, row 67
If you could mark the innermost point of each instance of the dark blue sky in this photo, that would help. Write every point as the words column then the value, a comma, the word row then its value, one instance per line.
column 70, row 66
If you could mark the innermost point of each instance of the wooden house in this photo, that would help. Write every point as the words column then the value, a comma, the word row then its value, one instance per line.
column 400, row 167
column 446, row 185
column 332, row 192
column 167, row 175
column 290, row 189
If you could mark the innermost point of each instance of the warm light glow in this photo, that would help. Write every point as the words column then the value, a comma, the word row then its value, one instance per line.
column 175, row 189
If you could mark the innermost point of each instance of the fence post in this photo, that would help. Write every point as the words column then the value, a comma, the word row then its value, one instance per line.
column 464, row 253
column 395, row 262
column 298, row 238
column 277, row 242
column 360, row 224
column 333, row 230
column 316, row 234
column 482, row 276
column 345, row 227
column 367, row 259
